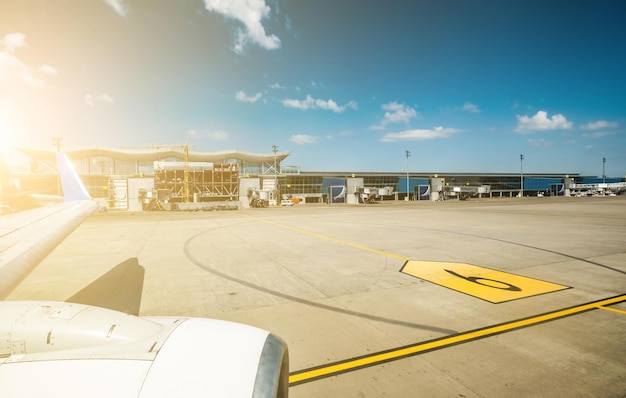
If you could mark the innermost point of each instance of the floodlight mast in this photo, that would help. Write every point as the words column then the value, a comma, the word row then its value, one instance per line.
column 57, row 142
column 521, row 163
column 276, row 191
column 408, row 154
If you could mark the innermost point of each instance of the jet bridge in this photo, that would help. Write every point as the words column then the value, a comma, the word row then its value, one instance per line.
column 464, row 192
column 371, row 195
column 598, row 189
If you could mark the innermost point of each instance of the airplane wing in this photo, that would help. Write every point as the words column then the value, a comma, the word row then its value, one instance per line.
column 57, row 349
column 27, row 237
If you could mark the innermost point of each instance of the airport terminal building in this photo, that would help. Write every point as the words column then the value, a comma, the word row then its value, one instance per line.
column 175, row 178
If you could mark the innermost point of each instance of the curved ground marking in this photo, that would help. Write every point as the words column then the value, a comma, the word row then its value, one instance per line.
column 188, row 253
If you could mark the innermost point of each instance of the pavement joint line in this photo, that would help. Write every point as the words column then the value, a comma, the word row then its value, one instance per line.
column 352, row 364
column 329, row 238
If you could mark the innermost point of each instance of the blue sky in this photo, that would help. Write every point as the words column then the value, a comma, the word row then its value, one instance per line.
column 345, row 85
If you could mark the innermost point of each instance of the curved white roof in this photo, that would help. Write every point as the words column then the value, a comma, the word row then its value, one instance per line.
column 154, row 155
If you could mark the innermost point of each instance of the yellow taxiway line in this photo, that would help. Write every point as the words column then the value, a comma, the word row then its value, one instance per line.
column 329, row 238
column 612, row 309
column 307, row 375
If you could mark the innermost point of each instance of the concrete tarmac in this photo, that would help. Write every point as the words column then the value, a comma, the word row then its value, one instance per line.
column 326, row 278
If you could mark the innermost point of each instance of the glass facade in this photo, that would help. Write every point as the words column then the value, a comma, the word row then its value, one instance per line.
column 302, row 185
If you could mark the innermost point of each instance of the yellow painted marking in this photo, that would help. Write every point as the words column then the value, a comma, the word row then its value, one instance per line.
column 329, row 238
column 484, row 283
column 612, row 309
column 391, row 355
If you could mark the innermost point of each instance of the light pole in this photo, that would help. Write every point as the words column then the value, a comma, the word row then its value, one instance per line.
column 603, row 172
column 57, row 143
column 275, row 149
column 408, row 154
column 521, row 172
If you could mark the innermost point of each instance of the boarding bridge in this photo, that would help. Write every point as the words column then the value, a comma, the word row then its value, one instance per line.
column 464, row 192
column 371, row 195
column 597, row 189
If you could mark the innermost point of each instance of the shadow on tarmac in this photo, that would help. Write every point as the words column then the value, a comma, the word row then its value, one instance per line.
column 119, row 289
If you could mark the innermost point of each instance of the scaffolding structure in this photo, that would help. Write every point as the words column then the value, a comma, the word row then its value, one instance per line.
column 205, row 181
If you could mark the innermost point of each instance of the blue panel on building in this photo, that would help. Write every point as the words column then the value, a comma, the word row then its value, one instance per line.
column 540, row 184
column 327, row 182
column 413, row 183
column 338, row 194
column 558, row 189
column 600, row 180
column 424, row 192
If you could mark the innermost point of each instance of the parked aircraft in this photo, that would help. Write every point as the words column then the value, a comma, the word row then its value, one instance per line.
column 61, row 349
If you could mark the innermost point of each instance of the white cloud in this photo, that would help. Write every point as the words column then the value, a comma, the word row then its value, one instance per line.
column 117, row 6
column 469, row 107
column 91, row 100
column 241, row 96
column 600, row 124
column 396, row 113
column 48, row 70
column 598, row 134
column 217, row 135
column 312, row 103
column 302, row 139
column 13, row 69
column 288, row 24
column 541, row 122
column 250, row 13
column 540, row 142
column 105, row 98
column 420, row 134
column 276, row 86
column 13, row 41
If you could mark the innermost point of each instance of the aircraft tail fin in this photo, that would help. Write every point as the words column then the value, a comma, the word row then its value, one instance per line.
column 73, row 187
